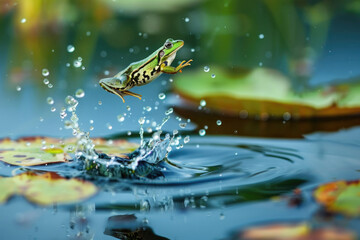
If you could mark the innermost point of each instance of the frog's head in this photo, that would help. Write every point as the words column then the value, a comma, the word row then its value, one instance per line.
column 168, row 51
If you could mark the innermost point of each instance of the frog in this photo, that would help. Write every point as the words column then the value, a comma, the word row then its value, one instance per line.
column 146, row 70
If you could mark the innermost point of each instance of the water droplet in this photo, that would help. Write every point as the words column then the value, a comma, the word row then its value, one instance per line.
column 79, row 93
column 106, row 72
column 131, row 50
column 45, row 72
column 23, row 20
column 53, row 109
column 187, row 19
column 218, row 122
column 148, row 108
column 91, row 128
column 213, row 75
column 192, row 50
column 41, row 119
column 88, row 33
column 169, row 111
column 286, row 116
column 222, row 216
column 120, row 118
column 261, row 36
column 100, row 102
column 187, row 139
column 202, row 132
column 67, row 64
column 46, row 81
column 91, row 121
column 203, row 103
column 50, row 85
column 129, row 133
column 162, row 96
column 18, row 88
column 141, row 120
column 206, row 69
column 77, row 63
column 109, row 126
column 182, row 125
column 260, row 64
column 70, row 48
column 50, row 100
column 63, row 114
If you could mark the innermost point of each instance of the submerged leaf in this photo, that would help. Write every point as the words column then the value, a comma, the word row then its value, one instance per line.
column 340, row 196
column 265, row 92
column 46, row 188
column 296, row 231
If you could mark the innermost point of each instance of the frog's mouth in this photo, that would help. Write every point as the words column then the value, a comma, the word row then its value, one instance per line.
column 112, row 90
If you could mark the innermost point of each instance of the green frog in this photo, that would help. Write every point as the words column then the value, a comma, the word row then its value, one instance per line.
column 144, row 71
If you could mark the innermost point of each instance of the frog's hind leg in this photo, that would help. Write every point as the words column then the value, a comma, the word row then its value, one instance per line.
column 116, row 92
column 131, row 94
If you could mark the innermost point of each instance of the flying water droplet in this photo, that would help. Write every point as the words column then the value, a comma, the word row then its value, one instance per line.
column 261, row 36
column 79, row 93
column 169, row 111
column 50, row 85
column 141, row 120
column 206, row 69
column 77, row 63
column 218, row 122
column 202, row 132
column 18, row 88
column 182, row 125
column 46, row 81
column 213, row 75
column 187, row 19
column 23, row 20
column 187, row 139
column 45, row 72
column 50, row 100
column 70, row 48
column 120, row 118
column 162, row 96
column 203, row 103
column 53, row 109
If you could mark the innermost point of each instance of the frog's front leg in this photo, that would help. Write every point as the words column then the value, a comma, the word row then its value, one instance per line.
column 173, row 70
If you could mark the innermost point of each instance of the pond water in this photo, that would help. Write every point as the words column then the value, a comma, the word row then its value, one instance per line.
column 230, row 174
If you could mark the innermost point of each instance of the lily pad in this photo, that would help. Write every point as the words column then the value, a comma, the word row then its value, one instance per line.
column 34, row 151
column 47, row 188
column 265, row 93
column 295, row 231
column 340, row 197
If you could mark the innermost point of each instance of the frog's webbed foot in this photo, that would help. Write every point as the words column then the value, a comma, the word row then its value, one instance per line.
column 173, row 70
column 131, row 94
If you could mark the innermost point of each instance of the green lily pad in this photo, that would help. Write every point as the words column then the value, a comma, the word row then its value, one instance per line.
column 340, row 197
column 47, row 188
column 34, row 151
column 264, row 92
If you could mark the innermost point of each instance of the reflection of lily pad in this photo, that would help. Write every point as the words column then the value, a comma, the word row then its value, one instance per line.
column 341, row 196
column 264, row 92
column 297, row 231
column 39, row 151
column 44, row 189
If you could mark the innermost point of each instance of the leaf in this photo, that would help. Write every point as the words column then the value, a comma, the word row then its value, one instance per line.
column 265, row 92
column 47, row 188
column 295, row 231
column 340, row 197
column 34, row 151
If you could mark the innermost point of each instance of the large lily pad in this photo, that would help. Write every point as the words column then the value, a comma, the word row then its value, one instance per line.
column 265, row 92
column 44, row 189
column 340, row 197
column 295, row 231
column 34, row 151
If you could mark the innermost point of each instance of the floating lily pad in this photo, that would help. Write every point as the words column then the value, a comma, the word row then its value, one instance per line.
column 296, row 231
column 47, row 188
column 34, row 151
column 265, row 93
column 340, row 197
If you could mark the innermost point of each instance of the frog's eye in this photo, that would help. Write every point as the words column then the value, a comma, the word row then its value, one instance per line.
column 168, row 45
column 162, row 53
